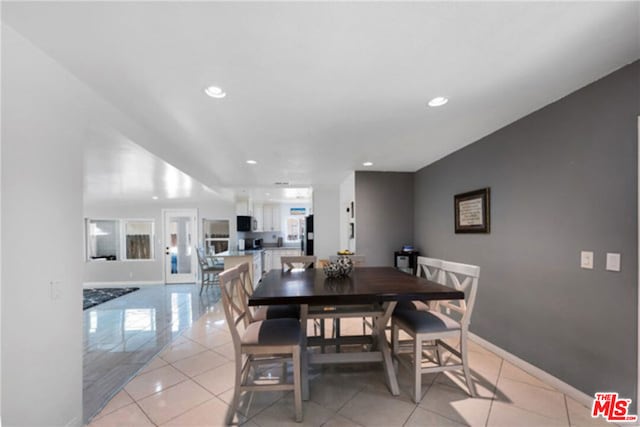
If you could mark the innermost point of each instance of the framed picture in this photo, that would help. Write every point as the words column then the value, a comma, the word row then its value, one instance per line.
column 472, row 211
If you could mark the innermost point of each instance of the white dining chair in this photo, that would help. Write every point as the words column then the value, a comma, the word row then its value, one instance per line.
column 428, row 329
column 430, row 269
column 261, row 342
column 284, row 311
column 302, row 262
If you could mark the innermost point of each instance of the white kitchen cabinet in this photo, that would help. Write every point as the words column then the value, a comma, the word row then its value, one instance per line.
column 277, row 254
column 244, row 207
column 258, row 216
column 271, row 218
column 268, row 261
column 257, row 267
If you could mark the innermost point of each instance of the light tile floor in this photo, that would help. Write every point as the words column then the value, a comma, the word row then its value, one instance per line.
column 123, row 335
column 191, row 384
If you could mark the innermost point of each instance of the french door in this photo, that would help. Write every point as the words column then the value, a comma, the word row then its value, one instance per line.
column 180, row 237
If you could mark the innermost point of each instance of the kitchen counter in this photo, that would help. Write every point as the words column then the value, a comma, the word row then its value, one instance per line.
column 253, row 257
column 235, row 252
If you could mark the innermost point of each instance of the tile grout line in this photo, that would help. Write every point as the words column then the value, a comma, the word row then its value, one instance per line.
column 144, row 413
column 495, row 391
column 566, row 406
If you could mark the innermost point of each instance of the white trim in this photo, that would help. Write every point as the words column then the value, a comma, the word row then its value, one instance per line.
column 544, row 376
column 75, row 422
column 123, row 284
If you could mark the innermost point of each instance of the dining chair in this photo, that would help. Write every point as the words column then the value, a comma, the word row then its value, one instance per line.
column 285, row 311
column 208, row 270
column 304, row 262
column 430, row 269
column 429, row 328
column 260, row 342
column 297, row 262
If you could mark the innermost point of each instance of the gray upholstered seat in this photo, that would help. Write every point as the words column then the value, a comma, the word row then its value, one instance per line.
column 411, row 305
column 276, row 312
column 273, row 332
column 421, row 321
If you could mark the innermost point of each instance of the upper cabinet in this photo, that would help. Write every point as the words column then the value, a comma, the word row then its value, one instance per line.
column 271, row 218
column 258, row 216
column 244, row 208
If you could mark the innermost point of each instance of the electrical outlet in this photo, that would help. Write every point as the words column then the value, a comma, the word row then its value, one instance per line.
column 613, row 261
column 586, row 260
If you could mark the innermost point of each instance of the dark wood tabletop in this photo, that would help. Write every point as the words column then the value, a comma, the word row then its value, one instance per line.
column 363, row 286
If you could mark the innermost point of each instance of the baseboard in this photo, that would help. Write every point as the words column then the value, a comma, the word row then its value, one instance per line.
column 120, row 284
column 558, row 384
column 75, row 422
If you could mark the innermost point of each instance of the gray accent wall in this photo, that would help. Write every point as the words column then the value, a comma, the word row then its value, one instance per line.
column 563, row 179
column 383, row 214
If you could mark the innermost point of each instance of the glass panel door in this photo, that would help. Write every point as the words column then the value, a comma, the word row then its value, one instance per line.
column 179, row 241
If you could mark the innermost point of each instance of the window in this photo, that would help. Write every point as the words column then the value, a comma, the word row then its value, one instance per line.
column 119, row 239
column 295, row 228
column 139, row 239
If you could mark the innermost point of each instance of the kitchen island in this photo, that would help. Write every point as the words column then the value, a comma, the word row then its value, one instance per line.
column 234, row 258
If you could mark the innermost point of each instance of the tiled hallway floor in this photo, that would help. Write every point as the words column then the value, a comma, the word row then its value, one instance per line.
column 191, row 383
column 122, row 335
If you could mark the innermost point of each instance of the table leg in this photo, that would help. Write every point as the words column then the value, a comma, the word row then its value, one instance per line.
column 380, row 324
column 304, row 313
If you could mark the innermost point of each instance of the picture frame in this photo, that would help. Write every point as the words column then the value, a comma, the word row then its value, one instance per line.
column 472, row 211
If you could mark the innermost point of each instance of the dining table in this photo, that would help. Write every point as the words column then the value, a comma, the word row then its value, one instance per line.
column 366, row 292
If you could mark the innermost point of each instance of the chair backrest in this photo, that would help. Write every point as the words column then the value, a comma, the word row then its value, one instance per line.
column 462, row 277
column 430, row 269
column 247, row 287
column 302, row 262
column 234, row 301
column 357, row 260
column 202, row 259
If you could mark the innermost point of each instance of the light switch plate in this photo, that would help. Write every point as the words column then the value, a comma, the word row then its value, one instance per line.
column 586, row 260
column 613, row 261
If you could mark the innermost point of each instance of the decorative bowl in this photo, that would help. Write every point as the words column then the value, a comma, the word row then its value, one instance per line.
column 340, row 268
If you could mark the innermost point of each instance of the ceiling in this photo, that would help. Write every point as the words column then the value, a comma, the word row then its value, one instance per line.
column 315, row 89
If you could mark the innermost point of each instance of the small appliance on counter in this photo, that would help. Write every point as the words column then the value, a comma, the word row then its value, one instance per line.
column 406, row 259
column 252, row 244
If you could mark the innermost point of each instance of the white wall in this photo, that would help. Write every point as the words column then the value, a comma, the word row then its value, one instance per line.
column 326, row 217
column 104, row 272
column 43, row 127
column 347, row 195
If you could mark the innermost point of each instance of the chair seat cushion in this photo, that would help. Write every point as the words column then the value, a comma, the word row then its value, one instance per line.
column 426, row 321
column 277, row 312
column 273, row 332
column 411, row 305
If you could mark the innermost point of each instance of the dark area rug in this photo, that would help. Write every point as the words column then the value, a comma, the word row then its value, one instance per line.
column 93, row 297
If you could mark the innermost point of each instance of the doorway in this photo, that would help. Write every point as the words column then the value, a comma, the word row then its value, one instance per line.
column 180, row 236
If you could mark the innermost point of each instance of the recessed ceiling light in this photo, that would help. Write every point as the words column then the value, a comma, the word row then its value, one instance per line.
column 438, row 101
column 215, row 92
column 267, row 194
column 155, row 197
column 251, row 162
column 367, row 164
